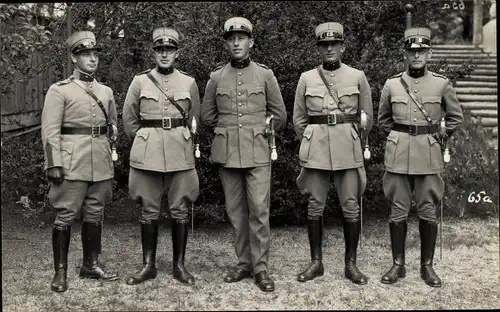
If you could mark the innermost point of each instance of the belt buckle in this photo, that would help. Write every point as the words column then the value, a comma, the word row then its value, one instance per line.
column 413, row 130
column 95, row 133
column 332, row 119
column 166, row 123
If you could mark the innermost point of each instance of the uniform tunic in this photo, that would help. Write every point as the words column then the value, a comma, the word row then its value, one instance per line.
column 415, row 162
column 86, row 160
column 161, row 159
column 235, row 104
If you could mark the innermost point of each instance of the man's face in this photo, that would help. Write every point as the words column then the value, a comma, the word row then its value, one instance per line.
column 86, row 60
column 331, row 51
column 239, row 44
column 417, row 58
column 165, row 56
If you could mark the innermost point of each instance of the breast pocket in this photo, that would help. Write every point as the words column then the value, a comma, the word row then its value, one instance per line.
column 223, row 100
column 399, row 107
column 432, row 105
column 218, row 151
column 305, row 145
column 183, row 99
column 149, row 100
column 349, row 96
column 256, row 99
column 314, row 99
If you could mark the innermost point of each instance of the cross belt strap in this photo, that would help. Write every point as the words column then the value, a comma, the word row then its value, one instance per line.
column 179, row 108
column 412, row 96
column 165, row 123
column 331, row 90
column 333, row 119
column 94, row 131
column 414, row 129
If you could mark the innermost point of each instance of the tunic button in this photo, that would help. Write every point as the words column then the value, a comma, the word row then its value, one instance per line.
column 416, row 81
column 240, row 104
column 414, row 110
column 240, row 73
column 415, row 91
column 93, row 104
column 165, row 107
column 93, row 115
column 331, row 84
column 241, row 125
column 166, row 98
column 331, row 103
column 166, row 80
column 239, row 93
column 239, row 83
column 331, row 75
column 414, row 119
column 240, row 114
column 166, row 89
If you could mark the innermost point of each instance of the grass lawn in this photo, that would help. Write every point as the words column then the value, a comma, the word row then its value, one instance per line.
column 469, row 270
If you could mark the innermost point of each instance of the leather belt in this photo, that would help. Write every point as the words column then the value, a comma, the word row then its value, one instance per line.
column 94, row 131
column 416, row 130
column 165, row 123
column 333, row 119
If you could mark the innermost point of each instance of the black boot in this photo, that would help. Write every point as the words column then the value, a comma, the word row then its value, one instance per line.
column 428, row 235
column 352, row 230
column 179, row 242
column 91, row 243
column 398, row 238
column 149, row 236
column 315, row 233
column 60, row 245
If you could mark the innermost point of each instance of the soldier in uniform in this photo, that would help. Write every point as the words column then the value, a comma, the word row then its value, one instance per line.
column 325, row 116
column 237, row 99
column 411, row 104
column 78, row 121
column 156, row 113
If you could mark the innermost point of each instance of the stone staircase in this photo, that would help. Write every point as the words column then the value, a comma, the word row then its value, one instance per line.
column 478, row 91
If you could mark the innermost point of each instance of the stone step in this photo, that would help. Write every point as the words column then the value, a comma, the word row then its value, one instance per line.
column 476, row 98
column 461, row 61
column 486, row 122
column 481, row 78
column 485, row 72
column 480, row 105
column 484, row 113
column 472, row 83
column 458, row 52
column 460, row 56
column 475, row 90
column 477, row 66
column 454, row 47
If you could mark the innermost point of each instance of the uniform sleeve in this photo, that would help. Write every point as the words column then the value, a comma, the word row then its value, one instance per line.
column 365, row 100
column 300, row 117
column 131, row 109
column 454, row 115
column 195, row 108
column 385, row 120
column 209, row 111
column 275, row 103
column 52, row 119
column 112, row 114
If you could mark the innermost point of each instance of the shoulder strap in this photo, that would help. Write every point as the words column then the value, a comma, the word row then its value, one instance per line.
column 333, row 92
column 101, row 106
column 171, row 99
column 422, row 109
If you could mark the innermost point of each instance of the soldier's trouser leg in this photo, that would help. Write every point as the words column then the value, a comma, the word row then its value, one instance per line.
column 429, row 191
column 350, row 185
column 315, row 184
column 67, row 199
column 397, row 189
column 234, row 185
column 93, row 212
column 183, row 189
column 146, row 188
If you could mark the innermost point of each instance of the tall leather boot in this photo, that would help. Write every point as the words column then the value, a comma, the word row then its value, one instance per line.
column 91, row 242
column 352, row 230
column 179, row 242
column 398, row 232
column 316, row 268
column 149, row 235
column 428, row 235
column 60, row 245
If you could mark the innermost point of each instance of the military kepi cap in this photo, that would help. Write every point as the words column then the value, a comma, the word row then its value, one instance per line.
column 329, row 32
column 417, row 38
column 81, row 41
column 239, row 24
column 165, row 37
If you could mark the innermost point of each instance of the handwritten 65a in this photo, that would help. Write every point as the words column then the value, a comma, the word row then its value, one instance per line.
column 477, row 198
column 455, row 5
